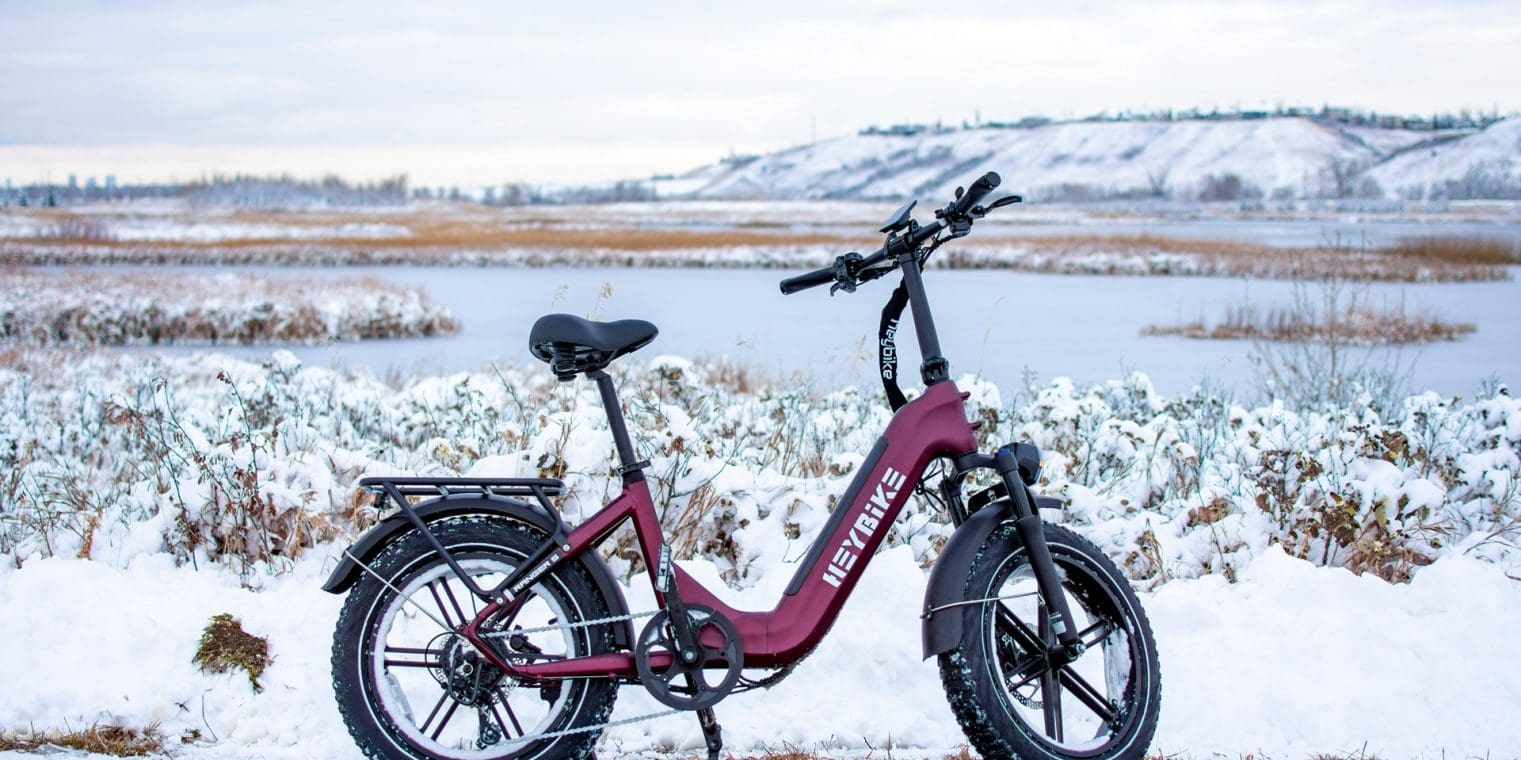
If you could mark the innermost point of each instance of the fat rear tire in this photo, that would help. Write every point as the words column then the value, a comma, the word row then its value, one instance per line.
column 477, row 541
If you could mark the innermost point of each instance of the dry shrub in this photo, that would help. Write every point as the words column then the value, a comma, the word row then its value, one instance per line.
column 225, row 646
column 114, row 308
column 98, row 739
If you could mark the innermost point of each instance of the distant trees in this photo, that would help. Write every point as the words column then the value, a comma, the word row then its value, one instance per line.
column 249, row 191
column 286, row 191
column 1496, row 180
column 1228, row 187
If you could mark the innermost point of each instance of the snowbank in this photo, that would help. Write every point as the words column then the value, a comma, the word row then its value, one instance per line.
column 1289, row 660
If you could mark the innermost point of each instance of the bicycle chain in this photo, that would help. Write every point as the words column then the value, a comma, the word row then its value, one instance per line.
column 568, row 626
column 595, row 727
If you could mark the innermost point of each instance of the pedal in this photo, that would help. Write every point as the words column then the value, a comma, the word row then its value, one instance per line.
column 712, row 733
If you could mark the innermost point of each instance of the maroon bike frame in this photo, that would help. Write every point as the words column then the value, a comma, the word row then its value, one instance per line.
column 933, row 425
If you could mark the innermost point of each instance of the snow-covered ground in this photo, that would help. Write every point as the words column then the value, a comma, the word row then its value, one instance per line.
column 1290, row 660
column 142, row 465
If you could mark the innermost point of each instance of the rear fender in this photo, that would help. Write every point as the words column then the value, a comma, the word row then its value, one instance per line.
column 393, row 527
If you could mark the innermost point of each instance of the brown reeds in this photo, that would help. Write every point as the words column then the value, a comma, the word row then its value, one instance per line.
column 1357, row 325
column 702, row 236
column 1473, row 251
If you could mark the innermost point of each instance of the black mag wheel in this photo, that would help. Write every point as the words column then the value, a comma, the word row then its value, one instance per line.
column 408, row 686
column 1008, row 699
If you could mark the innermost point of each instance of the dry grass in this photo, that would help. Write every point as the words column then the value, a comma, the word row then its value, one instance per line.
column 98, row 739
column 1357, row 325
column 449, row 231
column 1459, row 250
column 1455, row 260
column 225, row 646
column 674, row 237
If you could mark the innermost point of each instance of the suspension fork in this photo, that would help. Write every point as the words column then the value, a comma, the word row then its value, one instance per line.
column 1032, row 532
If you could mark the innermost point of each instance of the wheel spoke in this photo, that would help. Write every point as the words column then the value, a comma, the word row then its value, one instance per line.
column 1019, row 631
column 501, row 697
column 445, row 721
column 438, row 600
column 449, row 592
column 1093, row 634
column 1032, row 670
column 1050, row 686
column 1051, row 705
column 436, row 656
column 442, row 698
column 1088, row 695
column 413, row 663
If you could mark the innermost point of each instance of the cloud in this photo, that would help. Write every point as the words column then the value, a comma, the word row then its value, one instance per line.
column 599, row 74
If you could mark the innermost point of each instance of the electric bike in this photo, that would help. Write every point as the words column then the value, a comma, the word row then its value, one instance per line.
column 478, row 624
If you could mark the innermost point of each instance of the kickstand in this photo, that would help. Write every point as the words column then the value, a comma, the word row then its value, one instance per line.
column 711, row 732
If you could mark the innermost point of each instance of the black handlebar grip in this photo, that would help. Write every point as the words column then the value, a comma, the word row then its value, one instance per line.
column 976, row 192
column 807, row 280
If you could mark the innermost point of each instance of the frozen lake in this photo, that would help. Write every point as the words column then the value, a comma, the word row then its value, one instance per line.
column 995, row 323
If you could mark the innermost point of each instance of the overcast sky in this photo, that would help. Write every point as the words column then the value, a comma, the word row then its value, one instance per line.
column 474, row 93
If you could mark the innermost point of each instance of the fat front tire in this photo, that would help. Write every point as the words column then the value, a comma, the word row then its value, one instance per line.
column 407, row 687
column 1009, row 701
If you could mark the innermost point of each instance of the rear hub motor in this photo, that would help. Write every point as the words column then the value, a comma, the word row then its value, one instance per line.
column 468, row 678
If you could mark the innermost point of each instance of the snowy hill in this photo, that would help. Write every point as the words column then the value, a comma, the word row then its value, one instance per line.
column 1182, row 160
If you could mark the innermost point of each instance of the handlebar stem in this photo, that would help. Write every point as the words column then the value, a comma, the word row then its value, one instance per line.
column 934, row 368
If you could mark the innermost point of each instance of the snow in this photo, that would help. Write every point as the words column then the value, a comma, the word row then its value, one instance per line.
column 1290, row 660
column 1493, row 154
column 1220, row 514
column 1290, row 157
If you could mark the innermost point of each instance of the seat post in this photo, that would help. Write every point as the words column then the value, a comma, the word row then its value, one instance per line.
column 633, row 471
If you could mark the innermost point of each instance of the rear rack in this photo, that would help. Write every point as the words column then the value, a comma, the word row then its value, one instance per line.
column 396, row 490
column 535, row 487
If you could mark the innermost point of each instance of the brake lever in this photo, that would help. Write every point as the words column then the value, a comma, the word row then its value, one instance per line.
column 1008, row 200
column 845, row 269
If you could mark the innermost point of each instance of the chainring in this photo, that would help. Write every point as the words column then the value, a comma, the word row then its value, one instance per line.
column 688, row 686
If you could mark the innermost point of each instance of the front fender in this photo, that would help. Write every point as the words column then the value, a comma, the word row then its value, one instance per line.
column 947, row 580
column 379, row 536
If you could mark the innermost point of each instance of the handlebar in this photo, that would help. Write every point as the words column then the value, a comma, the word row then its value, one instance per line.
column 845, row 268
column 808, row 280
column 975, row 193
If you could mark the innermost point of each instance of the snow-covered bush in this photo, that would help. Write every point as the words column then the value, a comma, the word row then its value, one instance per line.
column 82, row 307
column 214, row 459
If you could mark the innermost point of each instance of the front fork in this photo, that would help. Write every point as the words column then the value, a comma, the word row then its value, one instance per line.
column 1032, row 534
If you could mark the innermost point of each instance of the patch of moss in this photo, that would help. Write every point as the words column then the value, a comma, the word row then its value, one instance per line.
column 225, row 646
